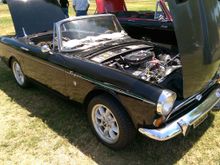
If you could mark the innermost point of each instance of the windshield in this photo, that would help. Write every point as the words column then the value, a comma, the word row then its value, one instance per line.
column 89, row 31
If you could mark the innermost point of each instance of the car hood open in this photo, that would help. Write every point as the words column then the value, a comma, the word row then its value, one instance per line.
column 34, row 16
column 197, row 27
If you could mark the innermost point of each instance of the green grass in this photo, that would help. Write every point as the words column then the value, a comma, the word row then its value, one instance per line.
column 37, row 127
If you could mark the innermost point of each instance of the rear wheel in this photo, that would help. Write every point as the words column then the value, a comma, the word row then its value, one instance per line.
column 110, row 123
column 19, row 76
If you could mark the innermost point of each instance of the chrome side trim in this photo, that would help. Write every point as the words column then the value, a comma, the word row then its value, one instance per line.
column 183, row 124
column 25, row 49
column 111, row 87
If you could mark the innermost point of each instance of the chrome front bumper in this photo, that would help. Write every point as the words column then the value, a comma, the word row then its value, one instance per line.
column 182, row 125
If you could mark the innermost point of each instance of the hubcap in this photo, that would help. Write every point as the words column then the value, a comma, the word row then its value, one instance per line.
column 105, row 123
column 19, row 76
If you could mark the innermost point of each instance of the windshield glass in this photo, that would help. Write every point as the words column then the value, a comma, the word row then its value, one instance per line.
column 89, row 32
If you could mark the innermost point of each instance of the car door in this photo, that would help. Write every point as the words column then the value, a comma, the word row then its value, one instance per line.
column 45, row 68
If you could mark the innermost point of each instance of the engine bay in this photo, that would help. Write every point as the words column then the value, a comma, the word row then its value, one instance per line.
column 149, row 64
column 152, row 64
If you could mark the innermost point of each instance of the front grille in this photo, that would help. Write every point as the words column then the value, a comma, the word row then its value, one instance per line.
column 190, row 104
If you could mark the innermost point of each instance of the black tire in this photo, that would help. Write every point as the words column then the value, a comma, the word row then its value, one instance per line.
column 126, row 128
column 22, row 83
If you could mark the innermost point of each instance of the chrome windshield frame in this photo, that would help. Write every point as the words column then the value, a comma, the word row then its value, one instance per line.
column 57, row 27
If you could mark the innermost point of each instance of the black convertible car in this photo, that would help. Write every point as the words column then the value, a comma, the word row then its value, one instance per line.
column 125, row 84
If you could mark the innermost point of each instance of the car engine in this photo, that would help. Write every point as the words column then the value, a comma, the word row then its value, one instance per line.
column 147, row 65
column 153, row 64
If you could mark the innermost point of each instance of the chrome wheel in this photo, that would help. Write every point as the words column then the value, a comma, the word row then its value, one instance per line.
column 105, row 124
column 19, row 76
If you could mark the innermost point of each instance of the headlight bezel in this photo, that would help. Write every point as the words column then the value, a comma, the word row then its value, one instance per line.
column 166, row 102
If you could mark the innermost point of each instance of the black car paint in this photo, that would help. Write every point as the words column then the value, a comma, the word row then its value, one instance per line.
column 47, row 11
column 77, row 79
column 198, row 41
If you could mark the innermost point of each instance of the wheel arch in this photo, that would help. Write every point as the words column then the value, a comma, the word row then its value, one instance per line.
column 100, row 91
column 96, row 92
column 10, row 61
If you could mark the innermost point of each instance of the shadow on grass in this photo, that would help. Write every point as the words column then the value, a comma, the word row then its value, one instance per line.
column 69, row 121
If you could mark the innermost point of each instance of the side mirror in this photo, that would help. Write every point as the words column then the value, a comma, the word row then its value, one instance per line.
column 45, row 49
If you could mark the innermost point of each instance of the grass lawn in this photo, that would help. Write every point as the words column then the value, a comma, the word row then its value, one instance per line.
column 37, row 127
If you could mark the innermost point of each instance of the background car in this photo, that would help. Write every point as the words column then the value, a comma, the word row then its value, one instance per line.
column 156, row 26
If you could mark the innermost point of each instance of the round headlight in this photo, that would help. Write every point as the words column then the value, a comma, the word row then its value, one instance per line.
column 165, row 102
